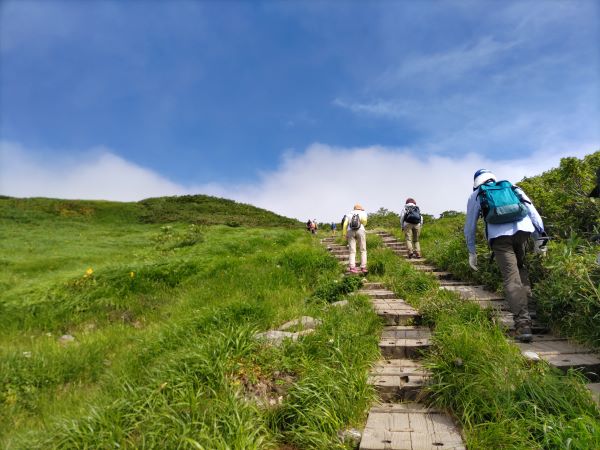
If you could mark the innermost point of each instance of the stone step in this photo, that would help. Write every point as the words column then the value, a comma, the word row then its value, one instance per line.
column 395, row 312
column 411, row 426
column 372, row 285
column 399, row 342
column 398, row 379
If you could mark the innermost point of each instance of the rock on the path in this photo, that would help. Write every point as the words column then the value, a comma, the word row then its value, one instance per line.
column 66, row 339
column 305, row 322
column 340, row 303
column 276, row 337
column 531, row 356
column 351, row 436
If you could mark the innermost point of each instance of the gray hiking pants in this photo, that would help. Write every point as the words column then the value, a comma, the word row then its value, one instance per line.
column 412, row 232
column 509, row 252
column 360, row 236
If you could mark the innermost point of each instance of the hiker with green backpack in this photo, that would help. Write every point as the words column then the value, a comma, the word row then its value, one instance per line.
column 510, row 219
column 411, row 222
column 353, row 229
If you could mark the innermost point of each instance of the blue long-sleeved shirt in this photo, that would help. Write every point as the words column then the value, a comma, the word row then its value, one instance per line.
column 532, row 222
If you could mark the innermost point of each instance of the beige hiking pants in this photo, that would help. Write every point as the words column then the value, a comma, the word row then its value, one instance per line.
column 412, row 232
column 509, row 252
column 361, row 236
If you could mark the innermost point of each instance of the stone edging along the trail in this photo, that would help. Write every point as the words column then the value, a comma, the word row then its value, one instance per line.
column 557, row 351
column 400, row 421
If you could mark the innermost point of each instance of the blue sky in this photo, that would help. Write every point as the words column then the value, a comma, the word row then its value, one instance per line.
column 255, row 100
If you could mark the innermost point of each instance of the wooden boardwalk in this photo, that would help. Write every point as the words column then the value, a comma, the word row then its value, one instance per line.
column 557, row 351
column 400, row 422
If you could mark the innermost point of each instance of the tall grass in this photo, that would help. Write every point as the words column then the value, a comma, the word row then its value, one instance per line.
column 164, row 353
column 500, row 399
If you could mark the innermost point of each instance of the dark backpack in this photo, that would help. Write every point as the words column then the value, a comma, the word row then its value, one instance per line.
column 355, row 222
column 412, row 214
column 500, row 203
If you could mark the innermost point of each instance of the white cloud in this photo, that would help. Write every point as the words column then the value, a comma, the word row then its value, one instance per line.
column 322, row 182
column 99, row 175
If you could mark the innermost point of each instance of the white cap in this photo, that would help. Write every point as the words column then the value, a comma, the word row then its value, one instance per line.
column 481, row 176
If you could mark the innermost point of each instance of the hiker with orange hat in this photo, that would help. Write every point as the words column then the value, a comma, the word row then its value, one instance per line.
column 353, row 229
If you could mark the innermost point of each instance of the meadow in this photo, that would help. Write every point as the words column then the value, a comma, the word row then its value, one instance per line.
column 132, row 325
column 120, row 333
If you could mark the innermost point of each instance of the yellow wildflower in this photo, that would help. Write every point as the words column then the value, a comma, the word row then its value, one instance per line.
column 89, row 272
column 132, row 274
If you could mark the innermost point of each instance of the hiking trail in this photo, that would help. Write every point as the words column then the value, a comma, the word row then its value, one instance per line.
column 400, row 421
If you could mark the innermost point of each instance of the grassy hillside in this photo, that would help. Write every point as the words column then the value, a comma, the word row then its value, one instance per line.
column 196, row 209
column 162, row 319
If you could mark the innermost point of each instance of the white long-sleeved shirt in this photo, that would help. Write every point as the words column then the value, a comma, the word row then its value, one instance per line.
column 402, row 214
column 532, row 222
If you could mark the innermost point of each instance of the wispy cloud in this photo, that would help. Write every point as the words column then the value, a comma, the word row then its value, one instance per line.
column 322, row 181
column 448, row 66
column 376, row 108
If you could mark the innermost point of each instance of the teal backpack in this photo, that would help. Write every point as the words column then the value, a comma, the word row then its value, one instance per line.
column 500, row 204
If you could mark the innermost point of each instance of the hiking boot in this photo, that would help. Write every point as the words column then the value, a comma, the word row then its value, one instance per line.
column 416, row 254
column 353, row 270
column 523, row 334
column 364, row 270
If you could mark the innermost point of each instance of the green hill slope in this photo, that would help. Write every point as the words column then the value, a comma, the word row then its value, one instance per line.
column 197, row 209
column 159, row 323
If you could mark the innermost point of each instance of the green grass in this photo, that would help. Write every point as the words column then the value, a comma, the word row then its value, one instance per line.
column 164, row 354
column 500, row 399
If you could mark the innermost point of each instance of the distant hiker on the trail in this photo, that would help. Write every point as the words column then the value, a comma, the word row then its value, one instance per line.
column 411, row 222
column 309, row 225
column 315, row 226
column 510, row 219
column 333, row 228
column 353, row 229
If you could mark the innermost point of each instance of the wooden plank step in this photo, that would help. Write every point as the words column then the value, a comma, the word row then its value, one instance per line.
column 398, row 379
column 426, row 268
column 441, row 275
column 506, row 319
column 399, row 342
column 409, row 426
column 595, row 390
column 454, row 283
column 554, row 347
column 399, row 316
column 588, row 364
column 377, row 293
column 416, row 261
column 475, row 292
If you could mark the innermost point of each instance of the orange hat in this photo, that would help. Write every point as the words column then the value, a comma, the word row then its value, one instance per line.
column 359, row 206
